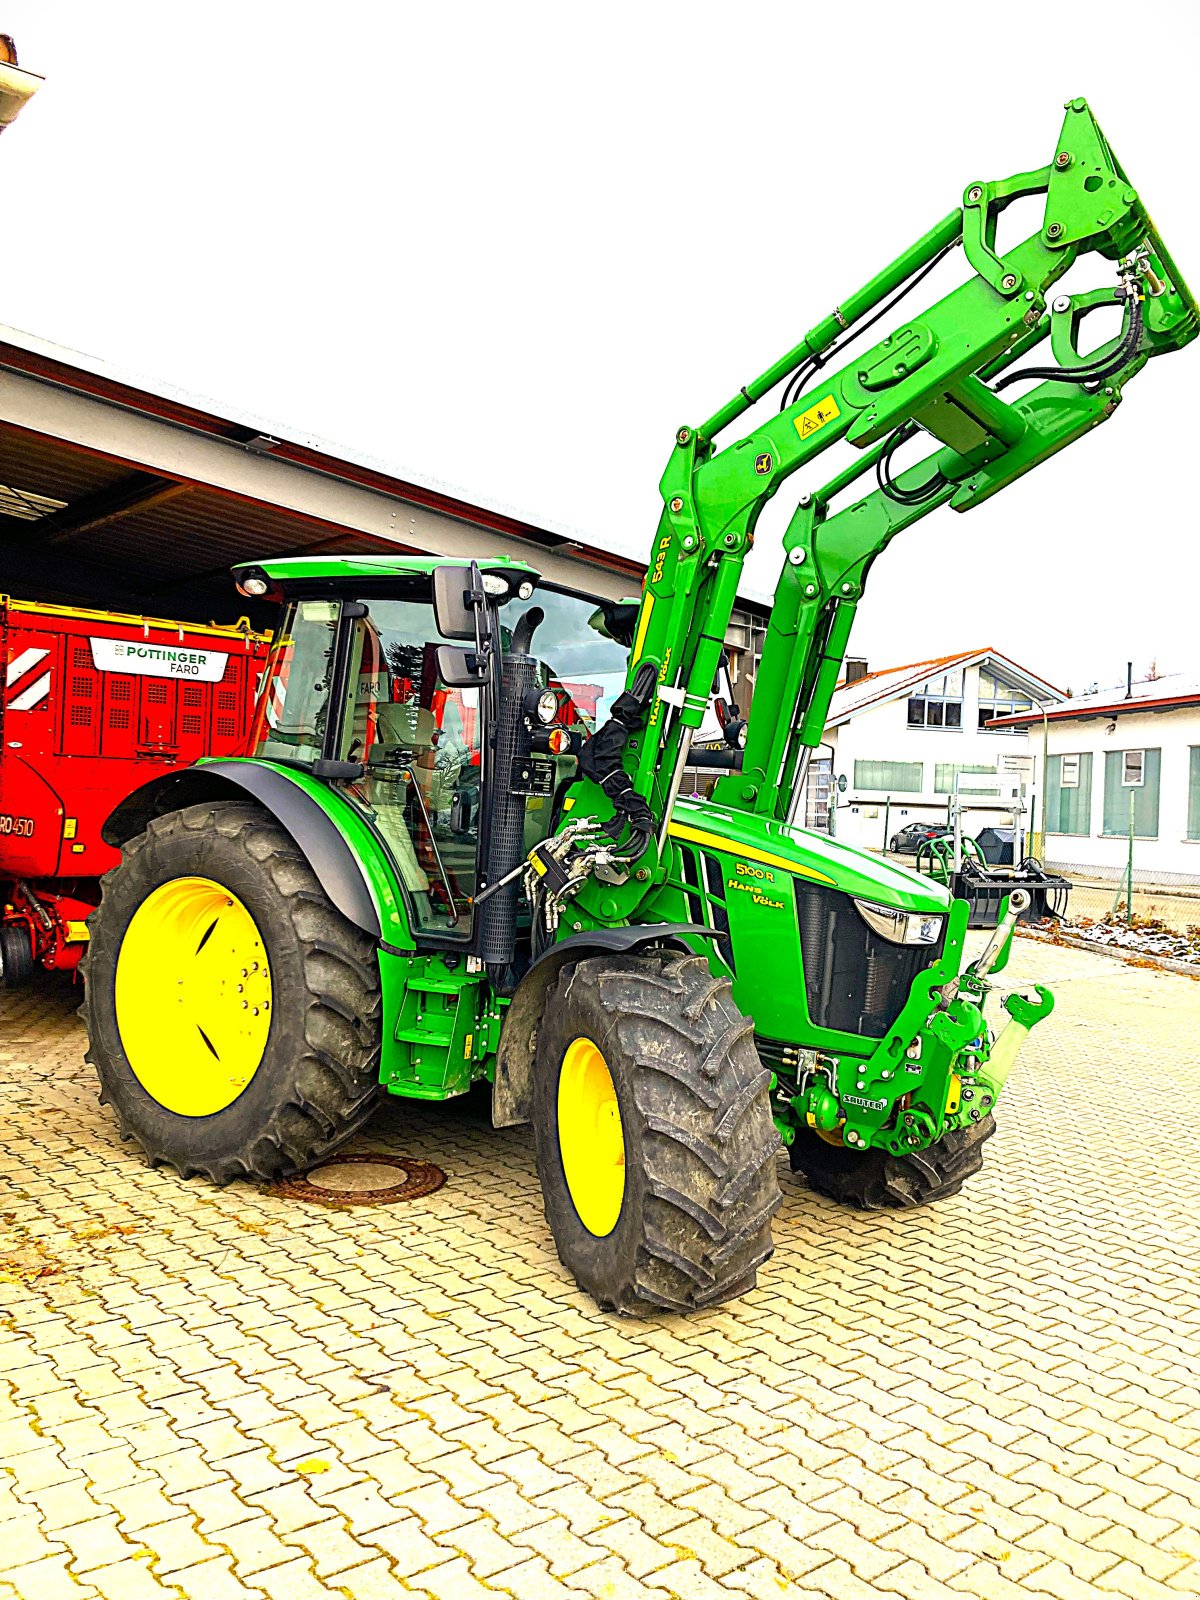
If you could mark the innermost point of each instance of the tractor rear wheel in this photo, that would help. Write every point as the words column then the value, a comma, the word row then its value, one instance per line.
column 656, row 1145
column 874, row 1180
column 233, row 1014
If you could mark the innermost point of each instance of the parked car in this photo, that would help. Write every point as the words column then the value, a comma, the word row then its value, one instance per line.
column 910, row 838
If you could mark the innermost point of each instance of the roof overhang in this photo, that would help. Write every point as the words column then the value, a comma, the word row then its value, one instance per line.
column 1113, row 708
column 127, row 498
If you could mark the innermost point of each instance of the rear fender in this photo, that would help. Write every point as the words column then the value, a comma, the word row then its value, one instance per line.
column 512, row 1086
column 355, row 876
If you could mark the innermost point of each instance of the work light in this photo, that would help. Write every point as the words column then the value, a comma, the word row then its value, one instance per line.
column 900, row 927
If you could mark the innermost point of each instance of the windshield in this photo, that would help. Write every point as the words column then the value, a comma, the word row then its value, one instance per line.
column 418, row 743
column 574, row 653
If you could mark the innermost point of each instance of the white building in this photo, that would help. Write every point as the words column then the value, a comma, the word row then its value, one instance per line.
column 895, row 739
column 1117, row 753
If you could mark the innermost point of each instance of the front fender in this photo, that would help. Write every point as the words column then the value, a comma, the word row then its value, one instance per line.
column 512, row 1086
column 341, row 852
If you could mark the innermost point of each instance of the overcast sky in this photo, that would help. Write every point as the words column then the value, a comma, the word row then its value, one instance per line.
column 513, row 247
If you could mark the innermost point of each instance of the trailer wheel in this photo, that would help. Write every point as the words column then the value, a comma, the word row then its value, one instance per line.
column 16, row 955
column 873, row 1180
column 656, row 1144
column 233, row 1014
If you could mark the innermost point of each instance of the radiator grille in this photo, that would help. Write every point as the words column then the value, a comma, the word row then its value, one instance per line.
column 854, row 980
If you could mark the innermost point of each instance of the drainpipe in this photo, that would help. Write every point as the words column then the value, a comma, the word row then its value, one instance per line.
column 1045, row 772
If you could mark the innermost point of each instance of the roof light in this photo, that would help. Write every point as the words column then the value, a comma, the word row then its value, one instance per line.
column 524, row 589
column 494, row 584
column 252, row 584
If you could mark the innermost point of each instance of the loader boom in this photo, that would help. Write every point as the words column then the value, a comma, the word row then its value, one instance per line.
column 934, row 374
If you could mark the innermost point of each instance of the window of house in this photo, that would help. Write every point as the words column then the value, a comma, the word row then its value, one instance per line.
column 945, row 773
column 1069, row 794
column 1131, row 792
column 1193, row 820
column 937, row 703
column 889, row 777
column 999, row 699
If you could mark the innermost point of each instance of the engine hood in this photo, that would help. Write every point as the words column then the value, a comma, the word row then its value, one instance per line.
column 814, row 857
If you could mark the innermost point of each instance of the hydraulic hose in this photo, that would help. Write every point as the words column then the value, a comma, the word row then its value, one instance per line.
column 1090, row 372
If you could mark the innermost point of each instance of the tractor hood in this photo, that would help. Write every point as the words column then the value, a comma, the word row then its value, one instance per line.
column 814, row 857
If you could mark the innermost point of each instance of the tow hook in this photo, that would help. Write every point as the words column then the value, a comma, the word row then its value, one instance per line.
column 1023, row 1014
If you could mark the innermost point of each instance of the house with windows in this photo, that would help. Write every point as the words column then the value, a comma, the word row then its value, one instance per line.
column 1120, row 759
column 896, row 739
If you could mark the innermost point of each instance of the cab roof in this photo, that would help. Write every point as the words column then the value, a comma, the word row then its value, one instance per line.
column 354, row 568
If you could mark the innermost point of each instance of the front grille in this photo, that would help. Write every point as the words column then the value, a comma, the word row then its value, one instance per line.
column 855, row 980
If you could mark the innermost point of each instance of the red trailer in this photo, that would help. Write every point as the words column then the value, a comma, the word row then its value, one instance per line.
column 95, row 704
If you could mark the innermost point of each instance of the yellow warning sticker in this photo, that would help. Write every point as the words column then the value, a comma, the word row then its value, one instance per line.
column 817, row 416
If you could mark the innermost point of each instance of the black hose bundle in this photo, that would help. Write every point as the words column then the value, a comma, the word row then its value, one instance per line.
column 600, row 758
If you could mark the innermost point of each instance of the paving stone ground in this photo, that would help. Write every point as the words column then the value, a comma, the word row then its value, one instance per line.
column 211, row 1393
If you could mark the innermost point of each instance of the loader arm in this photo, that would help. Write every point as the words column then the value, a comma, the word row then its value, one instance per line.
column 940, row 373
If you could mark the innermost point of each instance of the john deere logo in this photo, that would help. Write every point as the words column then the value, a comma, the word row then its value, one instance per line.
column 762, row 465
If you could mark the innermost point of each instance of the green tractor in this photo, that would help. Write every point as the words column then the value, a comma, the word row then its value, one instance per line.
column 457, row 851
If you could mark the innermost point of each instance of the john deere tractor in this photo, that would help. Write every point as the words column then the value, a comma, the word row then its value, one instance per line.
column 457, row 851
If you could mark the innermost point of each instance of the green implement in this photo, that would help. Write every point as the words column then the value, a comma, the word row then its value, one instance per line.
column 457, row 851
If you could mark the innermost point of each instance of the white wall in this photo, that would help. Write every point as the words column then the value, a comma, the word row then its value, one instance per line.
column 881, row 733
column 1172, row 732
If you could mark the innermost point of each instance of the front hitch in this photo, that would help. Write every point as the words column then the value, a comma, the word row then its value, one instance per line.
column 1023, row 1014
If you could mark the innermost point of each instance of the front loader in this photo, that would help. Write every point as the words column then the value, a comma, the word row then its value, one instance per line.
column 458, row 850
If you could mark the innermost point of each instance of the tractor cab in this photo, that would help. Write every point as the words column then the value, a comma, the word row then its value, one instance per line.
column 364, row 690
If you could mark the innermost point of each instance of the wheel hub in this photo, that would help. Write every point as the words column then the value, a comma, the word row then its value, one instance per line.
column 193, row 996
column 591, row 1138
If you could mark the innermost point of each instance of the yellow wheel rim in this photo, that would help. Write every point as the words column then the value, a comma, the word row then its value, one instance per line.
column 590, row 1137
column 193, row 996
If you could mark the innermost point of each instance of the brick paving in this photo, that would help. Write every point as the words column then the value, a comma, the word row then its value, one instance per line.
column 213, row 1393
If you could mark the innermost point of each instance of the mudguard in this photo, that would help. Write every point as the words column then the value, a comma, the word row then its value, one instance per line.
column 314, row 831
column 513, row 1083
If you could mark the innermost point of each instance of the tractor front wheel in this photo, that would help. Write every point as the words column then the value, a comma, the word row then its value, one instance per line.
column 233, row 1014
column 873, row 1180
column 656, row 1145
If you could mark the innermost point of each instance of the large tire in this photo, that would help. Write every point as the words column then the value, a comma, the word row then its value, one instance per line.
column 316, row 1081
column 700, row 1144
column 874, row 1180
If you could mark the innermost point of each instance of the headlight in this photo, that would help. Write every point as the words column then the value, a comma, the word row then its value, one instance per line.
column 901, row 927
column 546, row 708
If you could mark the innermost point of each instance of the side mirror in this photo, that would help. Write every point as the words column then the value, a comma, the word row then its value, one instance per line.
column 456, row 597
column 459, row 669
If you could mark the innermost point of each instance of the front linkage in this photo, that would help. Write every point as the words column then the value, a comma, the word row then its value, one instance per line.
column 937, row 1069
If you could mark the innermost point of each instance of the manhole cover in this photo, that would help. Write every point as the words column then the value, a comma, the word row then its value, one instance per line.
column 358, row 1177
column 364, row 1180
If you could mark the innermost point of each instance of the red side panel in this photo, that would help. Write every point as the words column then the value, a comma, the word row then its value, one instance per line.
column 78, row 732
